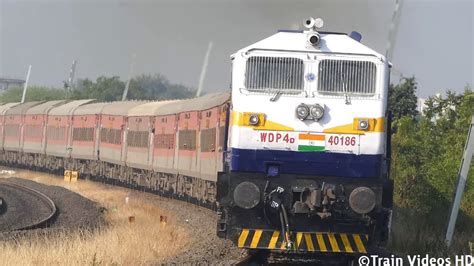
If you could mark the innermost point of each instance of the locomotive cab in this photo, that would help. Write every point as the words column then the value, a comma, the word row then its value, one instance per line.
column 307, row 162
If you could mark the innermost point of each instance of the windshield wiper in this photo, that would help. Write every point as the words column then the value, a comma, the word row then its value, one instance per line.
column 276, row 96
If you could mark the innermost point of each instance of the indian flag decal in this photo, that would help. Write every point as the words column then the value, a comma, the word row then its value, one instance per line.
column 311, row 142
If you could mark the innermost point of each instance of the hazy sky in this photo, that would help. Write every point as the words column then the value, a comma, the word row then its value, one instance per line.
column 435, row 38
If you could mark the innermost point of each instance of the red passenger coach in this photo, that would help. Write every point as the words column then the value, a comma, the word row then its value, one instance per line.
column 58, row 131
column 187, row 143
column 3, row 109
column 138, row 152
column 112, row 131
column 200, row 134
column 34, row 128
column 212, row 141
column 85, row 133
column 14, row 119
column 164, row 143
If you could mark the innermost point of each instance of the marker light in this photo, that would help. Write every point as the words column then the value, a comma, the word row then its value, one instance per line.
column 318, row 23
column 302, row 111
column 253, row 119
column 363, row 124
column 317, row 112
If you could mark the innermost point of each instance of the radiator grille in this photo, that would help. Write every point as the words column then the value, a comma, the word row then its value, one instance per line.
column 266, row 74
column 344, row 76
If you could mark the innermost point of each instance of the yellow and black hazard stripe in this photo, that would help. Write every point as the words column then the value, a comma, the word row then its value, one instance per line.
column 303, row 241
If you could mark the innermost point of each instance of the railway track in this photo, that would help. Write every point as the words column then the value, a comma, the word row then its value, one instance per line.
column 24, row 208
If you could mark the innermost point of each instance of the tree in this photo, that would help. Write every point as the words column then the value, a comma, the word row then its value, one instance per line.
column 157, row 87
column 144, row 87
column 402, row 99
column 103, row 89
column 427, row 152
column 34, row 93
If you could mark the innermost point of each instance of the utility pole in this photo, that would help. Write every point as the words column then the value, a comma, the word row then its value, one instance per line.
column 392, row 34
column 25, row 87
column 72, row 73
column 462, row 179
column 130, row 73
column 204, row 70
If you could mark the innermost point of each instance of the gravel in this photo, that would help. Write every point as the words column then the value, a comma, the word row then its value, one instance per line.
column 203, row 248
column 74, row 212
column 21, row 208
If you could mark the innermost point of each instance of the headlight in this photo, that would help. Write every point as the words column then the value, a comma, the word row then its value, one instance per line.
column 302, row 111
column 317, row 112
column 253, row 119
column 362, row 200
column 314, row 38
column 246, row 195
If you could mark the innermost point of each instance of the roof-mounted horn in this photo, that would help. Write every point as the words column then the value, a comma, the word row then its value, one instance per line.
column 313, row 25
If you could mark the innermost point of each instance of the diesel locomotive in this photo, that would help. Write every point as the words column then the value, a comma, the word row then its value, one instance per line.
column 295, row 158
column 308, row 154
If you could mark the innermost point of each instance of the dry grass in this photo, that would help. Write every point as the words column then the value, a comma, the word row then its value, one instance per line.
column 145, row 241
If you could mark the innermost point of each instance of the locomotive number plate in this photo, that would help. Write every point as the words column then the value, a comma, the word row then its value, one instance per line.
column 308, row 142
column 342, row 142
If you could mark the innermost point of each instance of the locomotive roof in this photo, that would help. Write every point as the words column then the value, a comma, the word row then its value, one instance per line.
column 202, row 103
column 7, row 106
column 297, row 41
column 43, row 108
column 90, row 109
column 21, row 108
column 120, row 108
column 68, row 108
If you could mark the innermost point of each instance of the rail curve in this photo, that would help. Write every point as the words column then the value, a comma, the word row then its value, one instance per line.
column 43, row 220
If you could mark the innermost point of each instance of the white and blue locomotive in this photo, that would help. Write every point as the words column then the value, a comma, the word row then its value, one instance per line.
column 307, row 159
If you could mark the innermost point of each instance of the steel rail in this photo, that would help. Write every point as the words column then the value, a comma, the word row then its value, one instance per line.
column 40, row 196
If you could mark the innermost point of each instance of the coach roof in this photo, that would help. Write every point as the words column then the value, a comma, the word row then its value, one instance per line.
column 120, row 108
column 44, row 108
column 196, row 104
column 149, row 109
column 68, row 108
column 7, row 106
column 90, row 109
column 178, row 106
column 21, row 108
